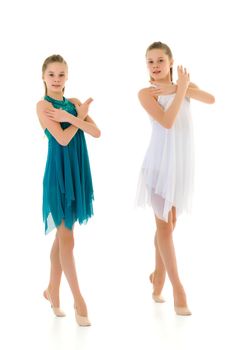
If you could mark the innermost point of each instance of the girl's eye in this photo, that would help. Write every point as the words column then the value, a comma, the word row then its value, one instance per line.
column 161, row 60
column 150, row 62
column 51, row 74
column 61, row 75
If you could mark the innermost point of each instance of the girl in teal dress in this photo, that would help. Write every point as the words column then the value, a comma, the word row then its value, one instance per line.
column 67, row 184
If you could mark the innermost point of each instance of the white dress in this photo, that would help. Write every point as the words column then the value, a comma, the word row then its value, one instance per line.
column 166, row 177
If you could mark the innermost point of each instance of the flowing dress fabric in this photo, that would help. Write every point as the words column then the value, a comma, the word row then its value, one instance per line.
column 67, row 183
column 166, row 176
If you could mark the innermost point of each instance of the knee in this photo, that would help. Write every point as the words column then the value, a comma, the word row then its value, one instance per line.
column 66, row 242
column 165, row 230
column 66, row 239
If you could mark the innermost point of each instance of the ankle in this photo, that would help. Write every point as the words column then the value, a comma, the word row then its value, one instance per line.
column 53, row 290
column 81, row 309
column 179, row 297
column 178, row 288
column 159, row 275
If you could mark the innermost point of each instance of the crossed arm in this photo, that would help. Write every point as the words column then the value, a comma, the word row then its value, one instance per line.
column 193, row 91
column 148, row 98
column 51, row 117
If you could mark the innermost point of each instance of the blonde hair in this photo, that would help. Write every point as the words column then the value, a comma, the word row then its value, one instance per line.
column 52, row 59
column 166, row 49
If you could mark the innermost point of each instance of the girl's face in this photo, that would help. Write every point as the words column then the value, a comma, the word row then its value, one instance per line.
column 55, row 77
column 159, row 64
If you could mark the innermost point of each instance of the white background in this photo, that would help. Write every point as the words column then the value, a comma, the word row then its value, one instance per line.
column 104, row 43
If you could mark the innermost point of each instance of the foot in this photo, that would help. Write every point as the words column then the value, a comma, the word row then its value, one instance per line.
column 158, row 283
column 80, row 306
column 56, row 309
column 52, row 296
column 81, row 312
column 180, row 302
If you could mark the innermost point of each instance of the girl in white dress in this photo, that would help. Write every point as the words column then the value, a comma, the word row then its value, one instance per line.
column 166, row 178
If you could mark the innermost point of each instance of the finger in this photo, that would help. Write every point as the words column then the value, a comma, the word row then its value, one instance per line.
column 49, row 110
column 48, row 113
column 152, row 82
column 89, row 100
column 154, row 90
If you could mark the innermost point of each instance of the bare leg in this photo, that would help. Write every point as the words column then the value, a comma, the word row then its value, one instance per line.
column 160, row 270
column 66, row 245
column 167, row 252
column 159, row 275
column 55, row 273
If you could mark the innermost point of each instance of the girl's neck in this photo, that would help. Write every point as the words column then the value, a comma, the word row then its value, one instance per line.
column 55, row 96
column 163, row 81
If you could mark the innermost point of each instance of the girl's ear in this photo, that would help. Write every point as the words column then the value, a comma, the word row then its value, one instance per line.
column 171, row 62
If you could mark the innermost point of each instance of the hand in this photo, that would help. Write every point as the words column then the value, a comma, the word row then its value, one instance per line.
column 183, row 78
column 83, row 108
column 57, row 115
column 162, row 89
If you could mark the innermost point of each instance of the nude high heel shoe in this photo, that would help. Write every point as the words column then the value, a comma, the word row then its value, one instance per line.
column 82, row 321
column 157, row 298
column 57, row 311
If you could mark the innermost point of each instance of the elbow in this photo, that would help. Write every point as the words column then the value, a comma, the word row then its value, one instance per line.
column 97, row 134
column 168, row 124
column 63, row 142
column 166, row 121
column 211, row 99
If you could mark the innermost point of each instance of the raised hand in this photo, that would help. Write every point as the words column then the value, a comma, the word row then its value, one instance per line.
column 83, row 108
column 183, row 78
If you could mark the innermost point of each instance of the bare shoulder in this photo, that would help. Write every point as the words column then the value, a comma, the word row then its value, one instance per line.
column 144, row 91
column 42, row 104
column 145, row 95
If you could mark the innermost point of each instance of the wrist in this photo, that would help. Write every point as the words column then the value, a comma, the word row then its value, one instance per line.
column 181, row 88
column 181, row 91
column 81, row 116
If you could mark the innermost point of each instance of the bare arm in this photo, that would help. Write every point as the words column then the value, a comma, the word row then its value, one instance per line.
column 86, row 125
column 193, row 91
column 83, row 122
column 150, row 104
column 63, row 137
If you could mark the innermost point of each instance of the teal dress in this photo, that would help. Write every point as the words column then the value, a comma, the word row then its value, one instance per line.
column 67, row 183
